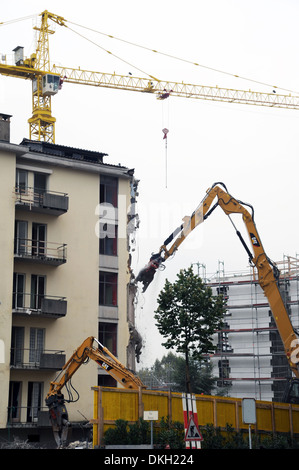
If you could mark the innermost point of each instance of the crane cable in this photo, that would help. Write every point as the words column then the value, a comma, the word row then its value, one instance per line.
column 111, row 53
column 3, row 23
column 185, row 60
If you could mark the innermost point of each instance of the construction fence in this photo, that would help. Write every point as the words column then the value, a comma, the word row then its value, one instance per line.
column 111, row 404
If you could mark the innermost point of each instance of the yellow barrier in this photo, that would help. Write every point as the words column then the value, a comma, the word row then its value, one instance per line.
column 111, row 404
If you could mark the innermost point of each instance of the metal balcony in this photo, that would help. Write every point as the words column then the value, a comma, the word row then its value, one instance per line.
column 28, row 416
column 39, row 305
column 39, row 251
column 36, row 359
column 45, row 202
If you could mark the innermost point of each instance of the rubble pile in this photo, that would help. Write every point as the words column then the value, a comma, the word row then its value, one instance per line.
column 19, row 444
column 79, row 445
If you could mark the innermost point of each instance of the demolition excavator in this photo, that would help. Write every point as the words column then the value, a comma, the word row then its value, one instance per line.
column 268, row 273
column 91, row 348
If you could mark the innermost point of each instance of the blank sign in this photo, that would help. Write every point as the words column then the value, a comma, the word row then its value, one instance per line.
column 248, row 411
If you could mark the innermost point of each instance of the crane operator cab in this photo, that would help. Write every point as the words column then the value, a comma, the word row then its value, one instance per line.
column 51, row 84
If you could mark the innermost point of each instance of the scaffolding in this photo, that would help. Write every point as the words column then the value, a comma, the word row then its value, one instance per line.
column 249, row 360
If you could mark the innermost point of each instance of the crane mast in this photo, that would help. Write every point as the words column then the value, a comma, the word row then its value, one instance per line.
column 42, row 123
column 47, row 80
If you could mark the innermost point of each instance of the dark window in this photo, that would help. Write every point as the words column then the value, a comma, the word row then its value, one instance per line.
column 17, row 345
column 21, row 242
column 108, row 239
column 108, row 336
column 34, row 400
column 14, row 401
column 37, row 290
column 106, row 381
column 40, row 182
column 18, row 291
column 38, row 239
column 223, row 291
column 40, row 187
column 224, row 371
column 108, row 190
column 108, row 289
column 21, row 181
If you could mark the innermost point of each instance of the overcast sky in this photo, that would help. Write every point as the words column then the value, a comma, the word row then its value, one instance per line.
column 253, row 150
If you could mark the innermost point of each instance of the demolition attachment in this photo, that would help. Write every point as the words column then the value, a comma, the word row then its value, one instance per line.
column 146, row 275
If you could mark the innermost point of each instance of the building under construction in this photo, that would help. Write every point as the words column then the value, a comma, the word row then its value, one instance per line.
column 250, row 360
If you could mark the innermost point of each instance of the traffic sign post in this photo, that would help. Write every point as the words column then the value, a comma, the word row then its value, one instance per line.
column 249, row 415
column 151, row 416
column 193, row 436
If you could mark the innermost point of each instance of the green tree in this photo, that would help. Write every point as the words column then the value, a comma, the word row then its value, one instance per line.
column 187, row 317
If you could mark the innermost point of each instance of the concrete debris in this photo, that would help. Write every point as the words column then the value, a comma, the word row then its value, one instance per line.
column 25, row 444
column 79, row 445
column 19, row 444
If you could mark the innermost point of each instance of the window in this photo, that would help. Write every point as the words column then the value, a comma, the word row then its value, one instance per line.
column 40, row 182
column 223, row 341
column 108, row 190
column 224, row 371
column 108, row 239
column 17, row 346
column 223, row 291
column 38, row 239
column 40, row 187
column 18, row 299
column 21, row 242
column 106, row 381
column 21, row 181
column 36, row 345
column 34, row 400
column 108, row 336
column 108, row 289
column 14, row 402
column 37, row 290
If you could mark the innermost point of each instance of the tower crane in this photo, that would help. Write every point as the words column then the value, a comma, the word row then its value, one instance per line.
column 47, row 80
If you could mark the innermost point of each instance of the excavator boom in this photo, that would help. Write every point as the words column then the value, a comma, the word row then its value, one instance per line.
column 267, row 271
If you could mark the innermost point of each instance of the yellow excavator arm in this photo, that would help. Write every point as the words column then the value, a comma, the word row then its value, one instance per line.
column 106, row 360
column 267, row 271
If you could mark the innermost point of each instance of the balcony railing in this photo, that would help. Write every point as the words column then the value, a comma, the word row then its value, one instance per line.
column 50, row 202
column 40, row 251
column 24, row 416
column 37, row 359
column 39, row 305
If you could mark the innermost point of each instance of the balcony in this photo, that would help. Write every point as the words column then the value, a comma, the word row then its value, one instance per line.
column 45, row 202
column 28, row 416
column 39, row 305
column 39, row 251
column 36, row 359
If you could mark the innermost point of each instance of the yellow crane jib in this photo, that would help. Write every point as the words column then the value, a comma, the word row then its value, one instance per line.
column 47, row 80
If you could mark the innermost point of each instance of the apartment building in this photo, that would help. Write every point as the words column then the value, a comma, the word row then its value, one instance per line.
column 249, row 360
column 65, row 273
